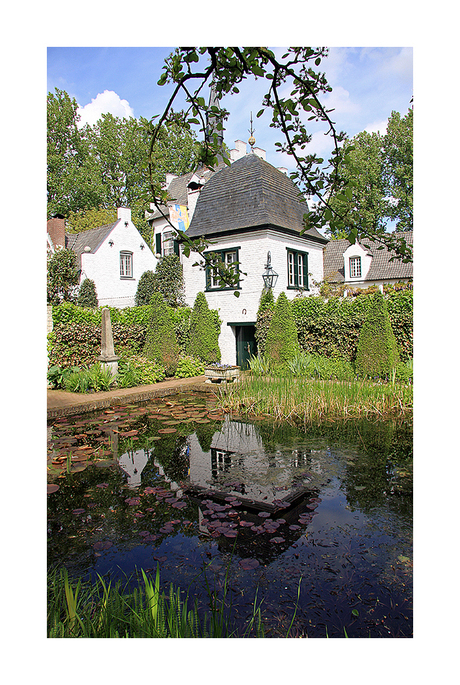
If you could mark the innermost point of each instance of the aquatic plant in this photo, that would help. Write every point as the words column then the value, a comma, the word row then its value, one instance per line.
column 100, row 609
column 301, row 401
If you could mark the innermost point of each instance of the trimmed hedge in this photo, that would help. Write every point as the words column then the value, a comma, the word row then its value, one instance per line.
column 331, row 328
column 282, row 343
column 377, row 353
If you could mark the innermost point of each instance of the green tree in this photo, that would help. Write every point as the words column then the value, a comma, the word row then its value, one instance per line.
column 204, row 334
column 145, row 288
column 62, row 276
column 377, row 353
column 161, row 344
column 84, row 220
column 87, row 295
column 363, row 204
column 71, row 179
column 104, row 166
column 168, row 280
column 398, row 169
column 282, row 342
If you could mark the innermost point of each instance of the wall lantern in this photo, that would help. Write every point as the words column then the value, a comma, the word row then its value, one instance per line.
column 142, row 247
column 270, row 277
column 111, row 243
column 126, row 224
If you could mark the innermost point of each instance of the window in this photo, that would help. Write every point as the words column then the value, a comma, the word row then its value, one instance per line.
column 126, row 264
column 166, row 244
column 228, row 257
column 297, row 270
column 355, row 267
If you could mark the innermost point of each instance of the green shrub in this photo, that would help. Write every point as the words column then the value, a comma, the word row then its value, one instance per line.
column 264, row 317
column 189, row 367
column 138, row 370
column 161, row 345
column 87, row 296
column 282, row 343
column 204, row 333
column 319, row 368
column 145, row 288
column 62, row 276
column 377, row 353
column 168, row 280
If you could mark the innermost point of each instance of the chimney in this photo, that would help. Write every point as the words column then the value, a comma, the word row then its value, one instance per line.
column 56, row 229
column 124, row 214
column 239, row 151
column 259, row 152
column 169, row 178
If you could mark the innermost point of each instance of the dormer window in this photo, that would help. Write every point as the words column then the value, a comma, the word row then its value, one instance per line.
column 355, row 267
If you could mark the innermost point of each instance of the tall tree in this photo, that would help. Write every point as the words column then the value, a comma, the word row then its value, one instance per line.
column 398, row 146
column 70, row 179
column 362, row 203
column 104, row 166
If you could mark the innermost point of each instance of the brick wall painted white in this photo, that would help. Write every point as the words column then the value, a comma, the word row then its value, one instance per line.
column 253, row 257
column 103, row 267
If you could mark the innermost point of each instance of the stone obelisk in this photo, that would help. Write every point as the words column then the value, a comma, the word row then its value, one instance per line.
column 108, row 357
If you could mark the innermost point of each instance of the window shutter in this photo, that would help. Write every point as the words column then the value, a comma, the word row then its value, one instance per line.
column 158, row 243
column 305, row 271
column 176, row 247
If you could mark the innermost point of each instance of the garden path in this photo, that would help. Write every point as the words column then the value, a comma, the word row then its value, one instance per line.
column 61, row 403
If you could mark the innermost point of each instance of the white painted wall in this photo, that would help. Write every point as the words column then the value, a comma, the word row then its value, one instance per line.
column 103, row 267
column 356, row 250
column 253, row 257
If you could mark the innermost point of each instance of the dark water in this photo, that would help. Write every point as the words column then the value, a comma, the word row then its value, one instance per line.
column 265, row 507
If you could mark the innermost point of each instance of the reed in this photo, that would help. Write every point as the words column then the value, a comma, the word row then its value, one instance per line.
column 80, row 609
column 304, row 401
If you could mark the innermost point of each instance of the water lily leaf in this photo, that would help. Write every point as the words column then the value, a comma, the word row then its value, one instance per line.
column 51, row 487
column 403, row 559
column 277, row 540
column 167, row 430
column 78, row 511
column 248, row 564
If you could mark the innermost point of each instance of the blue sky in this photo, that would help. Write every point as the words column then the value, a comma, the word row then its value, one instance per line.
column 368, row 84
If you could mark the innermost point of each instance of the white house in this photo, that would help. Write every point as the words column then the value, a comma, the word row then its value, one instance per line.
column 363, row 265
column 114, row 257
column 251, row 214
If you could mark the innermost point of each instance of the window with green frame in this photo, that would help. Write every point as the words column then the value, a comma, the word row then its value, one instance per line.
column 297, row 269
column 228, row 257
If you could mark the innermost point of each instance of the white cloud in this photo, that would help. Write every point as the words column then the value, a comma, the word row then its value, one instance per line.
column 377, row 127
column 107, row 102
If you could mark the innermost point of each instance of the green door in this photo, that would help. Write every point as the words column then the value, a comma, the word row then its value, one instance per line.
column 246, row 345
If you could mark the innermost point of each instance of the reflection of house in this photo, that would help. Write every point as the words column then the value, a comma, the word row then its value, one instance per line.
column 362, row 265
column 237, row 457
column 133, row 463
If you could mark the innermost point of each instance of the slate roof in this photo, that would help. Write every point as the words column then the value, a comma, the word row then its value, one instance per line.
column 177, row 189
column 250, row 193
column 380, row 269
column 92, row 238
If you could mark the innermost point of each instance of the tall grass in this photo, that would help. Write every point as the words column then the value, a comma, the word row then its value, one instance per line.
column 302, row 400
column 101, row 610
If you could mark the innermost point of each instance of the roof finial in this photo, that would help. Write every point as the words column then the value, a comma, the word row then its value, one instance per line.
column 252, row 140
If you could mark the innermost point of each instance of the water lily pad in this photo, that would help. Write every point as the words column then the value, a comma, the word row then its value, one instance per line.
column 51, row 487
column 229, row 533
column 103, row 544
column 78, row 511
column 277, row 540
column 248, row 564
column 263, row 514
column 167, row 430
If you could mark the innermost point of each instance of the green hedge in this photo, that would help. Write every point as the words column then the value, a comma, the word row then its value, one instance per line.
column 76, row 337
column 331, row 327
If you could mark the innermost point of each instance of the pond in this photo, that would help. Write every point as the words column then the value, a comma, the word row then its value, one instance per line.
column 269, row 510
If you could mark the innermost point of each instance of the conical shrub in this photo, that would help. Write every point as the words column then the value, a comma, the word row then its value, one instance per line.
column 87, row 295
column 282, row 343
column 377, row 352
column 204, row 334
column 161, row 343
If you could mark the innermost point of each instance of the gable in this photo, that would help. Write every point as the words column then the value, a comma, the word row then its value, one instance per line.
column 381, row 268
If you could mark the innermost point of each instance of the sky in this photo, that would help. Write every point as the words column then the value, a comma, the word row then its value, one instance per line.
column 368, row 83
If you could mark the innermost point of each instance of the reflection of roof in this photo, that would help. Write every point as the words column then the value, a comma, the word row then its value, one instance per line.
column 92, row 238
column 248, row 194
column 380, row 269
